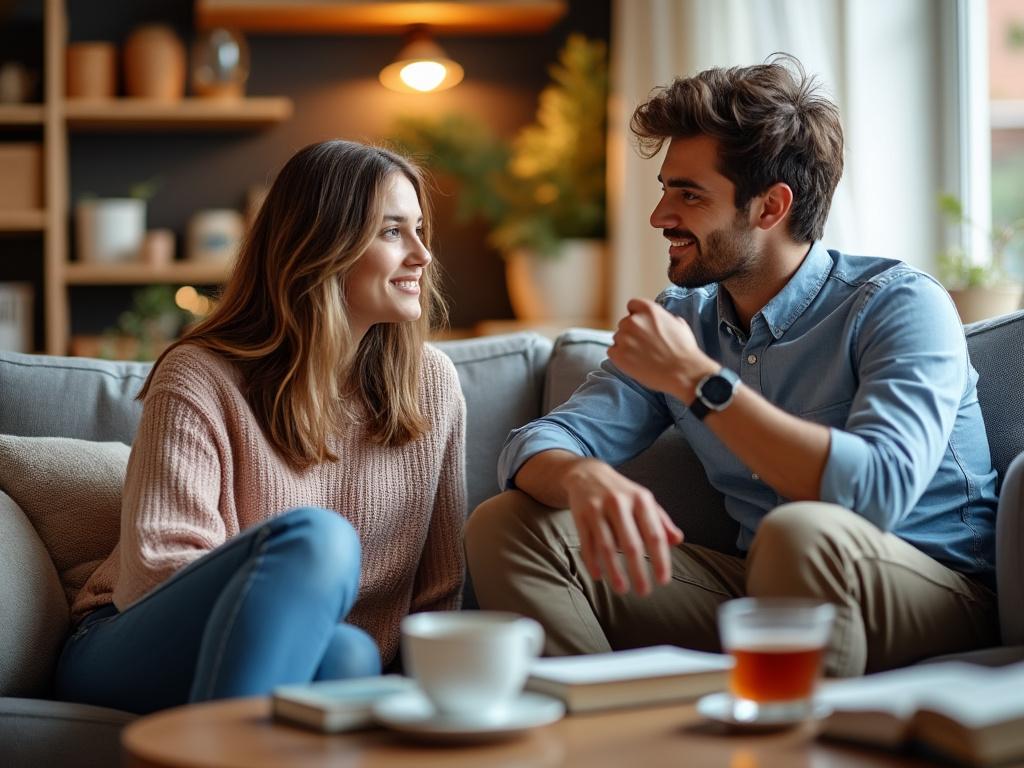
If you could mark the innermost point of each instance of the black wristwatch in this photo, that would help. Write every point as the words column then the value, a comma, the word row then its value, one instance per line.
column 714, row 393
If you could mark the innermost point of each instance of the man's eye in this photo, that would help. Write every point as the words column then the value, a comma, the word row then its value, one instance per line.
column 690, row 197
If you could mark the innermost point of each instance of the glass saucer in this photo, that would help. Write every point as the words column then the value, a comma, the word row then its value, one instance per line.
column 742, row 715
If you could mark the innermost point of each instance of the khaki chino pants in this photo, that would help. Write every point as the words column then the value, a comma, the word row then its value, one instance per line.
column 894, row 604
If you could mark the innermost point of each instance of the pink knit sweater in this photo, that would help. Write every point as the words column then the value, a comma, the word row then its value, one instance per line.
column 201, row 471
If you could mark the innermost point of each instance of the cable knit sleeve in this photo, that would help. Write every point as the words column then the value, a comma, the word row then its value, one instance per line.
column 170, row 510
column 441, row 569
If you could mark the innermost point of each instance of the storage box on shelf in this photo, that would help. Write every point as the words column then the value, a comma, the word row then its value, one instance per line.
column 58, row 116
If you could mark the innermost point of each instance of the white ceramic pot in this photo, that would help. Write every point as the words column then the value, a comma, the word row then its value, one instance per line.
column 566, row 287
column 981, row 303
column 110, row 229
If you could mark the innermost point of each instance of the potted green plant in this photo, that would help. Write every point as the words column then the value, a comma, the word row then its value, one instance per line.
column 979, row 289
column 543, row 193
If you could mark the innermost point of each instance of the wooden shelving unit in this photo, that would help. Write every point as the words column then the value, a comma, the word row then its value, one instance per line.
column 22, row 221
column 189, row 114
column 21, row 114
column 77, row 273
column 366, row 17
column 56, row 117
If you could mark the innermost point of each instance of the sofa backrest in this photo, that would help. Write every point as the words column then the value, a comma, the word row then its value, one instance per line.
column 996, row 347
column 44, row 396
column 502, row 379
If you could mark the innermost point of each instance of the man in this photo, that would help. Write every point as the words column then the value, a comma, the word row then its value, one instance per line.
column 797, row 374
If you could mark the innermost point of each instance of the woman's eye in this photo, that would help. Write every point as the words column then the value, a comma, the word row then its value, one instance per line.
column 419, row 232
column 391, row 232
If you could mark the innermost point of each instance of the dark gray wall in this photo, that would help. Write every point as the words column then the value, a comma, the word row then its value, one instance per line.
column 333, row 81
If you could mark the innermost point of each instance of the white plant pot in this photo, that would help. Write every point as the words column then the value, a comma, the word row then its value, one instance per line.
column 981, row 303
column 110, row 230
column 567, row 287
column 16, row 317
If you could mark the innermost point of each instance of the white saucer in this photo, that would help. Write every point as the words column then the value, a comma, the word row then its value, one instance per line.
column 723, row 708
column 411, row 712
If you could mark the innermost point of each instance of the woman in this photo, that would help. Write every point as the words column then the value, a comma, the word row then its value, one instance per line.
column 310, row 389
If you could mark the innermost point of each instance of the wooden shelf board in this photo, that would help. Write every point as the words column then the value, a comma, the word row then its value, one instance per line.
column 22, row 221
column 495, row 17
column 197, row 114
column 130, row 273
column 21, row 114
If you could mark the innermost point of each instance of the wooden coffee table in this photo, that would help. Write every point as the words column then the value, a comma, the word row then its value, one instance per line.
column 240, row 733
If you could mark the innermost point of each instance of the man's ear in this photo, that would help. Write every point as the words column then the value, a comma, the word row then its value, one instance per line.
column 771, row 206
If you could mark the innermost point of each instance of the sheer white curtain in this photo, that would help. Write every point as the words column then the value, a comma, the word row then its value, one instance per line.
column 882, row 61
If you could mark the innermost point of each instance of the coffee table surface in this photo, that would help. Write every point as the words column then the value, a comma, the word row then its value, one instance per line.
column 241, row 732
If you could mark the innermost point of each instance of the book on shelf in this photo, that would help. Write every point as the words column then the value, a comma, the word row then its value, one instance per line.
column 636, row 677
column 966, row 712
column 335, row 705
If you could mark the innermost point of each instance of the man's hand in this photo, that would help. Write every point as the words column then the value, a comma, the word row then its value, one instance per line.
column 613, row 513
column 659, row 350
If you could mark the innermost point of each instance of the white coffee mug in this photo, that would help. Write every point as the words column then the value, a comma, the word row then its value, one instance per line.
column 470, row 664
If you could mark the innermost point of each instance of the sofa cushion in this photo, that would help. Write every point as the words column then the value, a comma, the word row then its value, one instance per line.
column 70, row 397
column 502, row 379
column 70, row 490
column 33, row 609
column 55, row 733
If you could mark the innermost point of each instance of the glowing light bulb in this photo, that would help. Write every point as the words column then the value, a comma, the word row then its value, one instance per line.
column 423, row 75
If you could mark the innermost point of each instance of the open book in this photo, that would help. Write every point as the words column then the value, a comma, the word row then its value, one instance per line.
column 629, row 678
column 970, row 713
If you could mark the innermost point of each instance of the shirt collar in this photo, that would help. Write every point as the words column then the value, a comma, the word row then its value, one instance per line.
column 789, row 303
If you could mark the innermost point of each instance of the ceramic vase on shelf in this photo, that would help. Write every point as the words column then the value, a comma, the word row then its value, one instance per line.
column 214, row 236
column 91, row 71
column 154, row 64
column 220, row 64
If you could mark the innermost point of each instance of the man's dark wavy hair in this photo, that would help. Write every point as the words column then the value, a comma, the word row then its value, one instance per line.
column 772, row 125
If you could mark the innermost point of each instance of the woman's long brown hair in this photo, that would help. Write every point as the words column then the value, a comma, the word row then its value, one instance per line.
column 283, row 319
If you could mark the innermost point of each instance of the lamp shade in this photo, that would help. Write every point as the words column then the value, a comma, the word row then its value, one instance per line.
column 421, row 66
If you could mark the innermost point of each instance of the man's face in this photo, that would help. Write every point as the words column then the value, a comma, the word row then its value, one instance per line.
column 710, row 240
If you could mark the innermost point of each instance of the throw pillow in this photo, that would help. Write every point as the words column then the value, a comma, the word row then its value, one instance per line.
column 70, row 490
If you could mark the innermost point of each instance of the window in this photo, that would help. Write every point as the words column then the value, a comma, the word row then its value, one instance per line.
column 1006, row 94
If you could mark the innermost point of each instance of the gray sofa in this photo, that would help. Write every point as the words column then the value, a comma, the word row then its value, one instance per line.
column 507, row 381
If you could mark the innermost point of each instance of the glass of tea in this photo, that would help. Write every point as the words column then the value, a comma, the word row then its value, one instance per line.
column 778, row 645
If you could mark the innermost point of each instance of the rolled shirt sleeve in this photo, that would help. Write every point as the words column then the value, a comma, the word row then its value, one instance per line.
column 610, row 417
column 911, row 358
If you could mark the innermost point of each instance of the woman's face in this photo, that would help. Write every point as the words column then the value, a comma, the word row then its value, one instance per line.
column 384, row 285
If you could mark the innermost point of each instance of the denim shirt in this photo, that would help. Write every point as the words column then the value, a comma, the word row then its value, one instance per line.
column 871, row 348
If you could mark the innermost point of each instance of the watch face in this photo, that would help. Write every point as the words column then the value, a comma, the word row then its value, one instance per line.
column 716, row 390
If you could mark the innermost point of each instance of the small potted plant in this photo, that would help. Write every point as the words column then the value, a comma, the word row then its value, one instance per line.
column 543, row 193
column 979, row 289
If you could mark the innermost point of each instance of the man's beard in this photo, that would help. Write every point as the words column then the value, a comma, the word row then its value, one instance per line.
column 727, row 253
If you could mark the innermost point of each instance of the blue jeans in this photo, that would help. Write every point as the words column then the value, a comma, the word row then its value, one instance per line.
column 261, row 610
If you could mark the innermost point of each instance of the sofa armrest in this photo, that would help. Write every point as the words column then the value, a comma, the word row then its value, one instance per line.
column 33, row 609
column 1010, row 553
